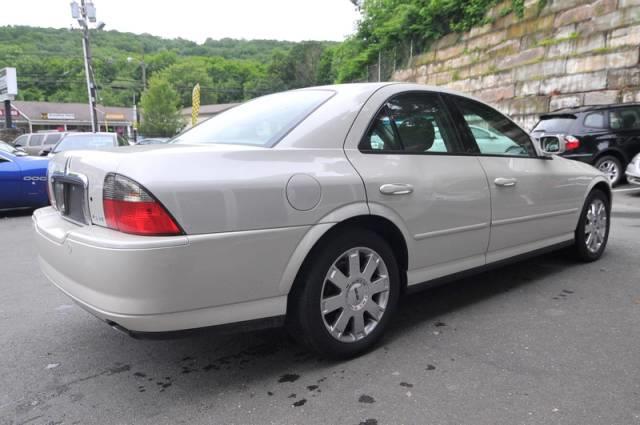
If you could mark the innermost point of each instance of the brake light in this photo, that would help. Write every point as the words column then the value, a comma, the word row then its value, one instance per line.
column 129, row 208
column 571, row 143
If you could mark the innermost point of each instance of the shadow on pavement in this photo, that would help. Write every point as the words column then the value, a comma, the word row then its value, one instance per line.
column 208, row 363
column 16, row 213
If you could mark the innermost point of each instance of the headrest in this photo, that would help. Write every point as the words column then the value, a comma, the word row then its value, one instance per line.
column 417, row 134
column 629, row 121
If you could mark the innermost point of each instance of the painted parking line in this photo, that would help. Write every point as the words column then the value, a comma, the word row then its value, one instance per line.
column 626, row 190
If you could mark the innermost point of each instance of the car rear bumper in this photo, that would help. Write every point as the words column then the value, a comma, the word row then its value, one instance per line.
column 161, row 284
column 633, row 178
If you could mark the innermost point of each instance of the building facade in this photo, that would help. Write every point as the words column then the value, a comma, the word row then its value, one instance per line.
column 31, row 117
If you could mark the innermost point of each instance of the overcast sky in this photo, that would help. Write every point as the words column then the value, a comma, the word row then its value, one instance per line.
column 198, row 20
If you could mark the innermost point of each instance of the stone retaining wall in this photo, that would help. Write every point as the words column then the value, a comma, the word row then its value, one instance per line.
column 569, row 53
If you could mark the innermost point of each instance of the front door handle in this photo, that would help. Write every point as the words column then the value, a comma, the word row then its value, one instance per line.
column 505, row 182
column 396, row 189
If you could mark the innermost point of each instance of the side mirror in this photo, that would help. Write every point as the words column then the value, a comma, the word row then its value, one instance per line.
column 552, row 145
column 45, row 152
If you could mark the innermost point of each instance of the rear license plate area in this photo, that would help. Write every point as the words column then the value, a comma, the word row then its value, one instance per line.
column 70, row 198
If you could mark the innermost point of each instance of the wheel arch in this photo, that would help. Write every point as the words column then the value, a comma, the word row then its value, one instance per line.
column 599, row 183
column 602, row 184
column 617, row 153
column 314, row 239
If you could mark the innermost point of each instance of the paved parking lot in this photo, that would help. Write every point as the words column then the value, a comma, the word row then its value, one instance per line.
column 546, row 341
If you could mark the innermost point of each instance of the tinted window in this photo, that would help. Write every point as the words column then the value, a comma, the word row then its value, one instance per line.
column 85, row 141
column 52, row 139
column 414, row 123
column 625, row 118
column 594, row 120
column 559, row 125
column 36, row 140
column 505, row 138
column 21, row 141
column 261, row 122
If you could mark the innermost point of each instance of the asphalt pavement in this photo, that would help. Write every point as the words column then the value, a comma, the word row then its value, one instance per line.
column 545, row 341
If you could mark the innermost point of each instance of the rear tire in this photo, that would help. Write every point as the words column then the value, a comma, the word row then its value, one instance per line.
column 592, row 232
column 345, row 294
column 612, row 167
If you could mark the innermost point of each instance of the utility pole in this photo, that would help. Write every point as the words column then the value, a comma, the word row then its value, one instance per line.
column 85, row 13
column 143, row 67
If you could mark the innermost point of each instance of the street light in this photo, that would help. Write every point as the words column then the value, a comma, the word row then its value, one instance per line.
column 85, row 13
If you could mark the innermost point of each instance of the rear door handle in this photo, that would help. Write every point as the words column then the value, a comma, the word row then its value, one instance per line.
column 505, row 182
column 396, row 189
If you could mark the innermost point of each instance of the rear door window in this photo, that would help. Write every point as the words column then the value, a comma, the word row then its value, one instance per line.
column 625, row 118
column 594, row 120
column 36, row 140
column 555, row 124
column 52, row 138
column 410, row 123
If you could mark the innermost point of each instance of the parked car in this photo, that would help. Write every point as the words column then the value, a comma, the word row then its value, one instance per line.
column 606, row 137
column 6, row 147
column 633, row 170
column 316, row 208
column 86, row 141
column 23, row 180
column 152, row 141
column 35, row 143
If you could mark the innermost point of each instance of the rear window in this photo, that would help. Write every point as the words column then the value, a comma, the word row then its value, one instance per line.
column 554, row 125
column 85, row 141
column 260, row 122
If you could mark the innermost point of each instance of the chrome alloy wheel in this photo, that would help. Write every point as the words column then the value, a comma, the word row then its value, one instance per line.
column 610, row 168
column 354, row 294
column 595, row 228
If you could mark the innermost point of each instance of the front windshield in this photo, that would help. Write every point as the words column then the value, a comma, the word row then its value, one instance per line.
column 261, row 122
column 84, row 141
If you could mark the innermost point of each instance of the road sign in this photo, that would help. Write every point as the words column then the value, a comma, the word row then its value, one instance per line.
column 8, row 84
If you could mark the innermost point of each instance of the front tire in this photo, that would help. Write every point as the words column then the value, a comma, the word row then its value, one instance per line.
column 592, row 232
column 612, row 167
column 345, row 294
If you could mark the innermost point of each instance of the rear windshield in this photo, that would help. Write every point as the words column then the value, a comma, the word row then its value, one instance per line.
column 85, row 141
column 554, row 125
column 261, row 122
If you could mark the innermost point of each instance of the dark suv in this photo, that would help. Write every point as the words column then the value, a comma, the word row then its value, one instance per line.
column 606, row 136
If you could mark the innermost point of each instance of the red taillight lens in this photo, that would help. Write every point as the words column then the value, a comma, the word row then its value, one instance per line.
column 571, row 143
column 129, row 208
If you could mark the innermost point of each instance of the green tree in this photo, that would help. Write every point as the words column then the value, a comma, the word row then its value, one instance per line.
column 184, row 75
column 160, row 109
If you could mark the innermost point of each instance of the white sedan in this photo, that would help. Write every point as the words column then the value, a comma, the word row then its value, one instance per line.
column 316, row 208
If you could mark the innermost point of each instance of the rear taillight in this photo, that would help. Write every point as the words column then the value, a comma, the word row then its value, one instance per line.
column 571, row 143
column 129, row 208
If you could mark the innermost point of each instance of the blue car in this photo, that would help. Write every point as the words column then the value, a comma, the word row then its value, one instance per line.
column 23, row 180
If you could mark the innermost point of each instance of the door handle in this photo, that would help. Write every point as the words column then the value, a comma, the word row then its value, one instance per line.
column 505, row 182
column 396, row 189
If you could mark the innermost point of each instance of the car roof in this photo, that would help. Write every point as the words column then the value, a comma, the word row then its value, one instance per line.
column 587, row 108
column 405, row 86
